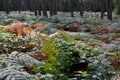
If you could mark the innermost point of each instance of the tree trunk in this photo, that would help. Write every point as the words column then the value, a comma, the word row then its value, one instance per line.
column 102, row 9
column 53, row 7
column 43, row 6
column 39, row 7
column 71, row 7
column 91, row 5
column 59, row 5
column 19, row 5
column 15, row 5
column 66, row 8
column 79, row 7
column 6, row 6
column 109, row 10
column 31, row 5
column 50, row 7
column 35, row 7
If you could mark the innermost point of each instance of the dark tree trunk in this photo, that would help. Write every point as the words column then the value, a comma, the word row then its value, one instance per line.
column 66, row 8
column 53, row 7
column 31, row 5
column 15, row 5
column 6, row 6
column 50, row 7
column 60, row 5
column 28, row 5
column 102, row 9
column 109, row 10
column 44, row 8
column 71, row 8
column 95, row 5
column 92, row 5
column 39, row 7
column 19, row 5
column 79, row 7
column 35, row 7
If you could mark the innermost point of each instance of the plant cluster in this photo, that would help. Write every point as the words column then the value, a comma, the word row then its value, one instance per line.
column 62, row 55
column 10, row 42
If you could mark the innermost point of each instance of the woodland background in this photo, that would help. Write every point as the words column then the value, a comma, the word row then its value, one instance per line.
column 55, row 6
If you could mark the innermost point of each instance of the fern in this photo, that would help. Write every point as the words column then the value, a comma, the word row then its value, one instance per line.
column 65, row 36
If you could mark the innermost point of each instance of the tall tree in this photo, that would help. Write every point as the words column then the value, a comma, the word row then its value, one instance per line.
column 31, row 5
column 35, row 6
column 80, row 6
column 28, row 4
column 102, row 9
column 15, row 5
column 50, row 7
column 60, row 5
column 91, row 3
column 109, row 9
column 19, row 5
column 44, row 7
column 53, row 7
column 6, row 6
column 66, row 5
column 39, row 7
column 71, row 8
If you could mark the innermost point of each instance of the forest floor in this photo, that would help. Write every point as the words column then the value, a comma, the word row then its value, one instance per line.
column 59, row 47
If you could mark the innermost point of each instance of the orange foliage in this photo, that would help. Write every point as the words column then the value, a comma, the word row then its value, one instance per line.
column 18, row 28
column 37, row 26
column 27, row 30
